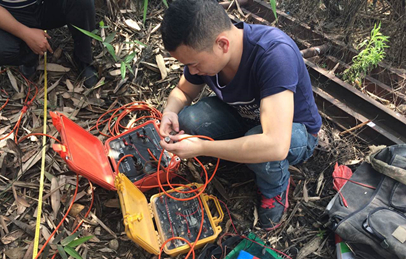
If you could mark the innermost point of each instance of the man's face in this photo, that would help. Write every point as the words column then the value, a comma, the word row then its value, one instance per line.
column 204, row 63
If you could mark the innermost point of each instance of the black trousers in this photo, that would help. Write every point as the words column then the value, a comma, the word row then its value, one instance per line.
column 49, row 14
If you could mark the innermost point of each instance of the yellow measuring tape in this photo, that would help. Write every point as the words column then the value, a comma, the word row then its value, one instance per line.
column 41, row 180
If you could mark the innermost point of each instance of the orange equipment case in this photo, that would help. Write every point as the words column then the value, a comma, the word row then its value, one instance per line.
column 86, row 155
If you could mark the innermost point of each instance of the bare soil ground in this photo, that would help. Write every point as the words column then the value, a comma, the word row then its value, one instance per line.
column 303, row 233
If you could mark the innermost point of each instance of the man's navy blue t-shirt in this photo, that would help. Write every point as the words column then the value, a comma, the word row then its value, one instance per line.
column 271, row 63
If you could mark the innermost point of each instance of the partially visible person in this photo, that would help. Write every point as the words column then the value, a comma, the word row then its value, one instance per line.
column 22, row 36
column 264, row 113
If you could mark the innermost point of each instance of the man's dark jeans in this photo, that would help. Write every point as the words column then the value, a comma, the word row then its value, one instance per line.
column 50, row 14
column 213, row 118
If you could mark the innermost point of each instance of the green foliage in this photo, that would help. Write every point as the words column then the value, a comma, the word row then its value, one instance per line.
column 144, row 16
column 321, row 233
column 273, row 6
column 373, row 52
column 67, row 245
column 126, row 61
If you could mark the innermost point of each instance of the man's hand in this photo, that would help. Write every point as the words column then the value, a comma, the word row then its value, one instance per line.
column 169, row 123
column 37, row 40
column 182, row 146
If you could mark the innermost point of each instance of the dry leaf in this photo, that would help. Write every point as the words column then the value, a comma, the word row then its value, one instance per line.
column 55, row 196
column 161, row 65
column 194, row 172
column 18, row 96
column 22, row 204
column 66, row 95
column 112, row 203
column 52, row 67
column 2, row 118
column 94, row 239
column 15, row 253
column 255, row 216
column 46, row 233
column 57, row 54
column 35, row 121
column 4, row 129
column 69, row 85
column 76, row 209
column 402, row 108
column 3, row 142
column 28, row 154
column 106, row 250
column 174, row 67
column 13, row 80
column 132, row 24
column 305, row 192
column 116, row 72
column 290, row 230
column 3, row 224
column 310, row 247
column 31, row 161
column 12, row 236
column 14, row 147
column 28, row 254
column 220, row 188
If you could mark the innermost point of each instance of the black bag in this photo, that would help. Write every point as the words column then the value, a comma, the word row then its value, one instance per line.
column 374, row 223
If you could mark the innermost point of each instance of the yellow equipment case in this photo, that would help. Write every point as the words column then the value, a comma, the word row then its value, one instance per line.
column 173, row 218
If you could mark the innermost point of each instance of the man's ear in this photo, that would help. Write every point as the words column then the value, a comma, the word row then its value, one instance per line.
column 223, row 43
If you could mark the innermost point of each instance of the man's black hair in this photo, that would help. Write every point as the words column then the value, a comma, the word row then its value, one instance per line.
column 194, row 23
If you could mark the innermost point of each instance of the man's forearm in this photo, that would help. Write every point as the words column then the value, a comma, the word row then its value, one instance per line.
column 257, row 148
column 176, row 101
column 9, row 24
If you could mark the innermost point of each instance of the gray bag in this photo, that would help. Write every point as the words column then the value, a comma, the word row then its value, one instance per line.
column 374, row 223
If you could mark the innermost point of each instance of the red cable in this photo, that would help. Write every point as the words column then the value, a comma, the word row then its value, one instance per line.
column 37, row 134
column 23, row 110
column 362, row 184
column 8, row 98
column 169, row 216
column 187, row 223
column 87, row 213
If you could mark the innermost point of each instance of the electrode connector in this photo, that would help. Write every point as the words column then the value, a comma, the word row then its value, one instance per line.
column 167, row 139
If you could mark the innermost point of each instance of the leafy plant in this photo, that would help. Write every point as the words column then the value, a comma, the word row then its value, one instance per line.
column 67, row 245
column 125, row 63
column 373, row 52
column 144, row 17
column 321, row 233
column 273, row 6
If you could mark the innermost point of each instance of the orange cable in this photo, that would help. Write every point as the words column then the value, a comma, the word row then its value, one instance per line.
column 63, row 219
column 8, row 98
column 37, row 134
column 87, row 213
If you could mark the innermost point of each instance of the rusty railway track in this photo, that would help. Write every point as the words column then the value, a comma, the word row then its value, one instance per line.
column 338, row 101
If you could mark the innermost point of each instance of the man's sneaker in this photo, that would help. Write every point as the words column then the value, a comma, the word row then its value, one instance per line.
column 271, row 210
column 28, row 71
column 87, row 71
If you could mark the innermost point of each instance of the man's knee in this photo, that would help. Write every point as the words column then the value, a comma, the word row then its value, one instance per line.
column 83, row 8
column 86, row 5
column 9, row 50
column 189, row 118
column 198, row 112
